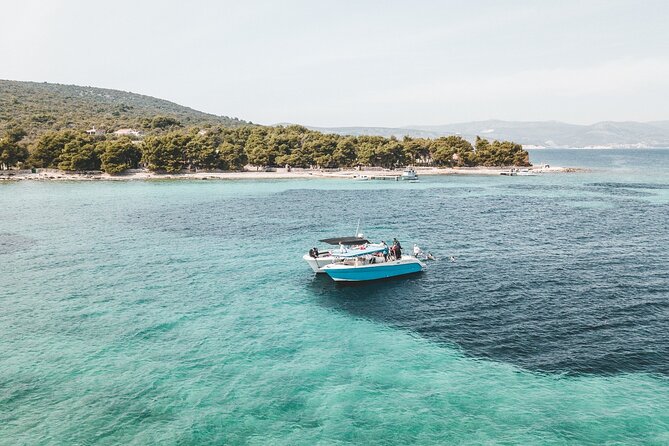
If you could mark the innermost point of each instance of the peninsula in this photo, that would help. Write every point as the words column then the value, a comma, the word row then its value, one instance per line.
column 79, row 130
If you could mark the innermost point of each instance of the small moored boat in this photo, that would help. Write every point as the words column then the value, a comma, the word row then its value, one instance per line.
column 409, row 174
column 519, row 172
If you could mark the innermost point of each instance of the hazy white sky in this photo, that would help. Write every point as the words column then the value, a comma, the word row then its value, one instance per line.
column 356, row 63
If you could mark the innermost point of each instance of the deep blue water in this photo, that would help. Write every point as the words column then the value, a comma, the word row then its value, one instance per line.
column 181, row 311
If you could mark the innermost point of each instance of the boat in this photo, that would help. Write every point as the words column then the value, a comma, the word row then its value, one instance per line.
column 318, row 258
column 519, row 172
column 371, row 263
column 409, row 174
column 361, row 178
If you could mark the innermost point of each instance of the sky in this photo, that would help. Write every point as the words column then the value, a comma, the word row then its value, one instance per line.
column 348, row 63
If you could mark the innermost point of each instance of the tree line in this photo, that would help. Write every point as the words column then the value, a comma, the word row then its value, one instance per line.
column 177, row 149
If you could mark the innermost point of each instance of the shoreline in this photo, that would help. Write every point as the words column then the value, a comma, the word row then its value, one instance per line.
column 278, row 174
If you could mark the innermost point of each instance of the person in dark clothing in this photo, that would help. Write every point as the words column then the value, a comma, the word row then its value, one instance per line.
column 398, row 249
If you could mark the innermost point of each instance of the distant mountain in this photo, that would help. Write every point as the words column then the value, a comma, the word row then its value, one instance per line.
column 379, row 131
column 38, row 107
column 660, row 124
column 538, row 133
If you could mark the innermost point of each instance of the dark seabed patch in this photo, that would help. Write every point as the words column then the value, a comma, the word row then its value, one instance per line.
column 11, row 243
column 537, row 282
column 615, row 185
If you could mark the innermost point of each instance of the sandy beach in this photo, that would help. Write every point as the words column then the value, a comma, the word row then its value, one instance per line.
column 279, row 173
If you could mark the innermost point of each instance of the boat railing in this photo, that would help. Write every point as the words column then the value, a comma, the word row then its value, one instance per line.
column 368, row 259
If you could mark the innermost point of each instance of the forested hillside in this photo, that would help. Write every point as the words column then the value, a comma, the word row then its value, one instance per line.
column 51, row 126
column 39, row 107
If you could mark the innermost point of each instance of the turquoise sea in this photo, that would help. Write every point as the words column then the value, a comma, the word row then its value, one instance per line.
column 181, row 312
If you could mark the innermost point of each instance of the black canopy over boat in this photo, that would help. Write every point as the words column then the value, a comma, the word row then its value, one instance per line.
column 345, row 240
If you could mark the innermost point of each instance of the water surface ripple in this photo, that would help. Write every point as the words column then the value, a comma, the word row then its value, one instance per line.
column 181, row 312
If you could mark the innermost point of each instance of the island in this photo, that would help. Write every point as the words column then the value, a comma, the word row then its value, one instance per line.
column 84, row 132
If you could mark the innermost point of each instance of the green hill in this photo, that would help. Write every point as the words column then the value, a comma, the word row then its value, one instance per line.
column 43, row 125
column 38, row 107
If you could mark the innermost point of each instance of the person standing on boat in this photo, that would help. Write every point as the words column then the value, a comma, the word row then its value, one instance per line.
column 398, row 249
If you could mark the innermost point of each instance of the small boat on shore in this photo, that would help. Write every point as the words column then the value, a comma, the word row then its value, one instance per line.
column 518, row 172
column 371, row 263
column 409, row 174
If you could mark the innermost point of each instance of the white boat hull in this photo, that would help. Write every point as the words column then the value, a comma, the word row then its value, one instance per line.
column 409, row 175
column 320, row 262
column 327, row 257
